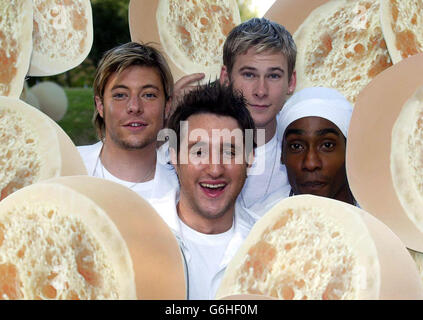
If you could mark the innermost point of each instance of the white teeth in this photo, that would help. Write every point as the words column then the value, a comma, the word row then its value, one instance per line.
column 212, row 186
column 135, row 124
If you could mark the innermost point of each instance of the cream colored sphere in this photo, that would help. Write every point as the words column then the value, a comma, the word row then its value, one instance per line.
column 28, row 97
column 52, row 99
column 32, row 99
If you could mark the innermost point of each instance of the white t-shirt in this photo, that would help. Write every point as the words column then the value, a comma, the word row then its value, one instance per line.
column 218, row 248
column 207, row 251
column 142, row 188
column 267, row 178
column 165, row 179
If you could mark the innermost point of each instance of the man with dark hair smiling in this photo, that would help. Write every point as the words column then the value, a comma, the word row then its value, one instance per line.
column 259, row 58
column 210, row 158
column 315, row 126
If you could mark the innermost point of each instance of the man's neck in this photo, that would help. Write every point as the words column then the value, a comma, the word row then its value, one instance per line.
column 345, row 195
column 133, row 165
column 201, row 224
column 269, row 132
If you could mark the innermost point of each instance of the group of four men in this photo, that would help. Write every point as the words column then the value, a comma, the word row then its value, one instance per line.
column 233, row 152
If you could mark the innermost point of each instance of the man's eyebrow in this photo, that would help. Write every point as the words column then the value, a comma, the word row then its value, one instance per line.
column 247, row 68
column 119, row 86
column 294, row 131
column 327, row 131
column 229, row 145
column 276, row 69
column 198, row 143
column 272, row 69
column 319, row 133
column 147, row 86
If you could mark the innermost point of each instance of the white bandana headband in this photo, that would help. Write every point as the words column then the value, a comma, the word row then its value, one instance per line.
column 317, row 102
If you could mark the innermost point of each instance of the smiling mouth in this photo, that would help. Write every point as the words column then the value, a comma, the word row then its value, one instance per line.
column 135, row 125
column 213, row 190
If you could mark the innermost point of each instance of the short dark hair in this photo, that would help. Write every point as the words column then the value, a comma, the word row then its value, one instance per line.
column 217, row 99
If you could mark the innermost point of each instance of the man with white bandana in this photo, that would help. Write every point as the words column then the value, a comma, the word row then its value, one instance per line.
column 314, row 126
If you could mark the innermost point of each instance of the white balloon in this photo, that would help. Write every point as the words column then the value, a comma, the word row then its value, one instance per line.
column 52, row 99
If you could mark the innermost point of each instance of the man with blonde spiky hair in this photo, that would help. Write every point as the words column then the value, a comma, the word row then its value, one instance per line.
column 259, row 59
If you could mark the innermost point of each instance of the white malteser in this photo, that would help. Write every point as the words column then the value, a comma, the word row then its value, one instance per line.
column 15, row 45
column 402, row 25
column 193, row 32
column 63, row 35
column 28, row 97
column 56, row 243
column 407, row 158
column 52, row 99
column 341, row 46
column 32, row 147
column 29, row 147
column 306, row 247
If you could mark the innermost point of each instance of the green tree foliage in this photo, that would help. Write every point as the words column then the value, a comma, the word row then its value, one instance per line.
column 111, row 28
column 245, row 10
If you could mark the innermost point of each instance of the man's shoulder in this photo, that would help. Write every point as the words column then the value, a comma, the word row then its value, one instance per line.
column 165, row 206
column 90, row 147
column 89, row 154
column 244, row 217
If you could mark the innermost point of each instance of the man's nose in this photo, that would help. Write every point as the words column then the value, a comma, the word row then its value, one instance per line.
column 215, row 168
column 312, row 160
column 261, row 88
column 135, row 105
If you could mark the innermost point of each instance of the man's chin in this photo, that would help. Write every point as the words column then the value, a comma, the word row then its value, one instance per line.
column 260, row 115
column 262, row 119
column 213, row 213
column 314, row 192
column 132, row 144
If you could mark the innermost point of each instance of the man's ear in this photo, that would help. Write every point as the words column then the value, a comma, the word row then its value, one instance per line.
column 167, row 109
column 99, row 106
column 250, row 159
column 224, row 76
column 292, row 83
column 283, row 156
column 174, row 159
